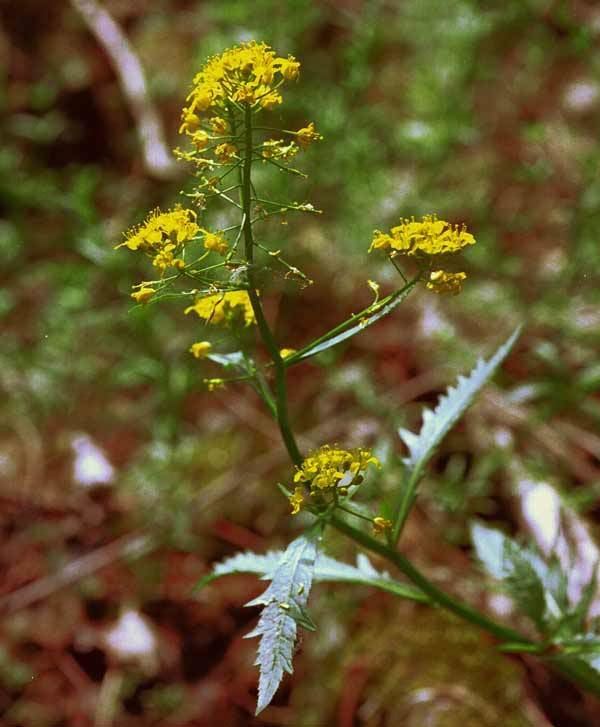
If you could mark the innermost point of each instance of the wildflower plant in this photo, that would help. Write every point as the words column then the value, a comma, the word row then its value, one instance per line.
column 217, row 274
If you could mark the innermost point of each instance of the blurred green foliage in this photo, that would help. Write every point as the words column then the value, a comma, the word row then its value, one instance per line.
column 483, row 113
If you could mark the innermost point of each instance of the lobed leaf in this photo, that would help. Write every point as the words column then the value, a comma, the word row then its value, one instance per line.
column 286, row 596
column 326, row 570
column 523, row 574
column 450, row 408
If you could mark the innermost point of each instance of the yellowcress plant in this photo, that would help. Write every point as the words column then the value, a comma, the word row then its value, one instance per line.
column 225, row 138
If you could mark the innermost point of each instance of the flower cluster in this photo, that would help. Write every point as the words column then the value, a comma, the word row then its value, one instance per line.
column 247, row 74
column 162, row 236
column 430, row 236
column 224, row 308
column 329, row 468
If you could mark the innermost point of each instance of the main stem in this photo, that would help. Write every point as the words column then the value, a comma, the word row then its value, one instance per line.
column 263, row 327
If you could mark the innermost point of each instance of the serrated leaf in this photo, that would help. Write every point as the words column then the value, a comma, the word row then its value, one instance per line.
column 248, row 562
column 277, row 627
column 525, row 587
column 326, row 570
column 450, row 408
column 581, row 610
column 522, row 573
column 364, row 322
column 489, row 546
column 363, row 573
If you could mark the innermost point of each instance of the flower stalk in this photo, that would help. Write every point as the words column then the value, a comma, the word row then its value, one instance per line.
column 281, row 398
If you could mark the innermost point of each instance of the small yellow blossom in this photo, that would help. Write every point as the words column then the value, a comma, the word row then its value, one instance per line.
column 288, row 67
column 430, row 236
column 189, row 122
column 161, row 229
column 442, row 282
column 307, row 135
column 381, row 240
column 297, row 499
column 215, row 242
column 327, row 466
column 214, row 384
column 285, row 352
column 200, row 139
column 268, row 99
column 165, row 258
column 223, row 307
column 143, row 295
column 245, row 93
column 381, row 524
column 225, row 153
column 200, row 349
column 218, row 125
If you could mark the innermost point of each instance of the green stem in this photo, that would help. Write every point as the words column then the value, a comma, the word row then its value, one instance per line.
column 438, row 596
column 261, row 321
column 370, row 310
column 407, row 499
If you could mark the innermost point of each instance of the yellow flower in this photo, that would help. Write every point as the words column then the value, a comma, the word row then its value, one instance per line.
column 297, row 499
column 143, row 295
column 288, row 67
column 162, row 228
column 213, row 384
column 285, row 352
column 245, row 94
column 225, row 153
column 268, row 99
column 442, row 282
column 165, row 258
column 223, row 307
column 246, row 74
column 200, row 139
column 216, row 242
column 200, row 349
column 381, row 524
column 218, row 125
column 189, row 122
column 430, row 236
column 327, row 466
column 380, row 241
column 307, row 135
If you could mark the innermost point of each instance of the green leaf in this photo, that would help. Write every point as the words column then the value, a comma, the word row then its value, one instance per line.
column 326, row 570
column 363, row 573
column 248, row 562
column 287, row 594
column 490, row 547
column 578, row 615
column 522, row 573
column 450, row 408
column 365, row 320
column 236, row 360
